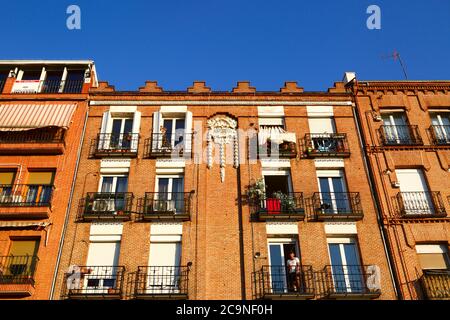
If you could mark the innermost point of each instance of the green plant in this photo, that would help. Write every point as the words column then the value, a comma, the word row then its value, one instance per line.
column 287, row 202
column 257, row 190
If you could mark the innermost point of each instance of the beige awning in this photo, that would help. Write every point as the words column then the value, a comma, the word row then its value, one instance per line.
column 23, row 224
column 20, row 117
column 276, row 134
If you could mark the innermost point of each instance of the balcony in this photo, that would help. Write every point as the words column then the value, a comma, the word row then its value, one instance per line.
column 277, row 150
column 159, row 206
column 337, row 206
column 22, row 201
column 36, row 141
column 275, row 282
column 47, row 86
column 404, row 135
column 280, row 207
column 176, row 145
column 94, row 282
column 440, row 135
column 162, row 282
column 349, row 282
column 419, row 205
column 436, row 284
column 116, row 145
column 326, row 145
column 17, row 275
column 106, row 206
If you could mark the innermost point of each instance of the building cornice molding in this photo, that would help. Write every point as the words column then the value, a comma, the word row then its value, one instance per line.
column 218, row 102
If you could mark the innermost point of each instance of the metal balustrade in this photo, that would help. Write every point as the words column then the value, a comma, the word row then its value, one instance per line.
column 175, row 145
column 326, row 145
column 337, row 205
column 436, row 284
column 26, row 195
column 166, row 205
column 280, row 206
column 162, row 282
column 400, row 135
column 106, row 205
column 440, row 135
column 123, row 144
column 420, row 204
column 17, row 269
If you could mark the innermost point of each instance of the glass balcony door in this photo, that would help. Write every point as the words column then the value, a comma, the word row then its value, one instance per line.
column 163, row 275
column 169, row 194
column 415, row 194
column 333, row 193
column 395, row 128
column 174, row 134
column 278, row 255
column 121, row 134
column 345, row 266
column 441, row 127
column 112, row 196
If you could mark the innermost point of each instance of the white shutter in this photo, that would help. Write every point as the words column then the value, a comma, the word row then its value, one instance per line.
column 135, row 131
column 411, row 180
column 103, row 254
column 157, row 119
column 321, row 125
column 188, row 131
column 105, row 121
column 165, row 254
column 103, row 142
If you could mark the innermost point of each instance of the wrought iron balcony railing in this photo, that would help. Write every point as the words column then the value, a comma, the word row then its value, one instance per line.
column 17, row 269
column 158, row 282
column 420, row 204
column 45, row 135
column 47, row 86
column 124, row 144
column 273, row 150
column 274, row 281
column 339, row 281
column 440, row 135
column 26, row 195
column 167, row 205
column 337, row 205
column 436, row 284
column 326, row 145
column 280, row 206
column 106, row 205
column 94, row 282
column 175, row 145
column 400, row 135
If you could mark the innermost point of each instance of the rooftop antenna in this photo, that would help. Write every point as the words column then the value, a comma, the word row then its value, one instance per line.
column 396, row 56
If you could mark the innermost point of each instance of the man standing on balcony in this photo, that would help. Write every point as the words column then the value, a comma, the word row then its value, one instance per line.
column 293, row 266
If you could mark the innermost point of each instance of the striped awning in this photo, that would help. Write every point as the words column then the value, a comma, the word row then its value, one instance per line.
column 23, row 224
column 20, row 117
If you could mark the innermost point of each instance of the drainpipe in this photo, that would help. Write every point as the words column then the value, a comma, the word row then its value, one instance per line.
column 66, row 221
column 376, row 202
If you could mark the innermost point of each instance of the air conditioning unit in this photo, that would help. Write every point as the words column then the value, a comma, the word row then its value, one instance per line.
column 103, row 205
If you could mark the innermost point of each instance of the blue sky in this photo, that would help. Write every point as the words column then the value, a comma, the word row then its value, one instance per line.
column 221, row 42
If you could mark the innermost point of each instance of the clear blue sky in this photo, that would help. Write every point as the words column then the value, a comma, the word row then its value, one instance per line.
column 223, row 41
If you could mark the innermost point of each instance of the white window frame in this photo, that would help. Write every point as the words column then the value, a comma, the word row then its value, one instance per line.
column 281, row 242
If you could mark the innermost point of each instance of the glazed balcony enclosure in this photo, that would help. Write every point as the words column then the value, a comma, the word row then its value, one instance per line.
column 169, row 145
column 94, row 282
column 116, row 145
column 162, row 282
column 326, row 145
column 276, row 282
column 400, row 135
column 436, row 284
column 106, row 206
column 166, row 206
column 424, row 204
column 22, row 201
column 337, row 206
column 17, row 275
column 280, row 206
column 349, row 282
column 440, row 135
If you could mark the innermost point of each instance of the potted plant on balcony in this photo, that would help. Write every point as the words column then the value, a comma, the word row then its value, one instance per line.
column 287, row 202
column 256, row 191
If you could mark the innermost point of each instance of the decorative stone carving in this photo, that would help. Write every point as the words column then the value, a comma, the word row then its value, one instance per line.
column 222, row 131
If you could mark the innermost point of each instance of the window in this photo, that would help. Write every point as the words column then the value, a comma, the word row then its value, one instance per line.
column 172, row 131
column 441, row 127
column 322, row 125
column 433, row 256
column 396, row 129
column 31, row 75
column 333, row 192
column 74, row 81
column 163, row 276
column 120, row 130
column 21, row 261
column 416, row 198
column 6, row 184
column 169, row 194
column 346, row 267
column 52, row 83
column 279, row 250
column 40, row 187
column 103, row 258
column 111, row 196
column 277, row 185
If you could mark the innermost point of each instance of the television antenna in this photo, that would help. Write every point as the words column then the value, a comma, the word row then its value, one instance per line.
column 396, row 56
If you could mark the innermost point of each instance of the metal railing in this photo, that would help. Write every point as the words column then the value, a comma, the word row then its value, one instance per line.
column 274, row 150
column 162, row 281
column 17, row 269
column 345, row 280
column 47, row 135
column 336, row 203
column 400, row 135
column 436, row 284
column 94, row 281
column 114, row 205
column 326, row 144
column 108, row 143
column 420, row 204
column 440, row 135
column 25, row 195
column 280, row 204
column 167, row 203
column 276, row 280
column 50, row 86
column 175, row 145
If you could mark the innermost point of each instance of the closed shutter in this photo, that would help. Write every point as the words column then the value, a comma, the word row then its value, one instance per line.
column 40, row 178
column 188, row 132
column 103, row 254
column 135, row 131
column 321, row 125
column 411, row 180
column 7, row 178
column 157, row 122
column 24, row 248
column 433, row 256
column 165, row 254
